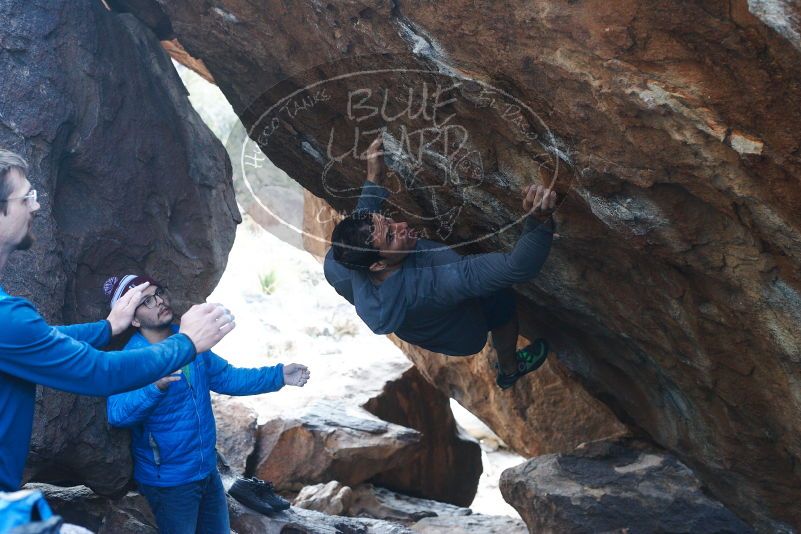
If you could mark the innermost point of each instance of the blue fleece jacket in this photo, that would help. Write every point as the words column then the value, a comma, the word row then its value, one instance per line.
column 173, row 434
column 433, row 300
column 66, row 358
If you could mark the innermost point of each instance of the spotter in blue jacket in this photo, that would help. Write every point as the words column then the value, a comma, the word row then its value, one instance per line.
column 173, row 433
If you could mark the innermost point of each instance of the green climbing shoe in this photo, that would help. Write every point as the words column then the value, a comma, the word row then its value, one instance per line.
column 528, row 359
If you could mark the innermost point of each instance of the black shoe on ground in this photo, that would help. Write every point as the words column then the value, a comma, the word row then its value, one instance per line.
column 258, row 495
column 529, row 359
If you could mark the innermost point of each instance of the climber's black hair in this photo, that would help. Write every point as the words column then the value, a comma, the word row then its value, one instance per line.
column 352, row 241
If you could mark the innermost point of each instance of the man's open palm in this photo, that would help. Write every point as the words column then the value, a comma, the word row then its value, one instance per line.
column 296, row 374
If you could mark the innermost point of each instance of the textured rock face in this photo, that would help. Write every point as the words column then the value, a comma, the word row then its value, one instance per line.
column 607, row 486
column 132, row 181
column 674, row 290
column 449, row 465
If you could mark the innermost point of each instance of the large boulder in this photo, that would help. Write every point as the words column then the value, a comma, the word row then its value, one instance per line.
column 331, row 498
column 367, row 500
column 131, row 181
column 671, row 127
column 380, row 503
column 328, row 442
column 611, row 487
column 448, row 466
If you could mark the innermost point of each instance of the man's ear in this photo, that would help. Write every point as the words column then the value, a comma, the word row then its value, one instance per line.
column 378, row 266
column 135, row 323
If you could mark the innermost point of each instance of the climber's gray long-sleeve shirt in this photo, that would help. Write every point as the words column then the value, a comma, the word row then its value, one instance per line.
column 433, row 300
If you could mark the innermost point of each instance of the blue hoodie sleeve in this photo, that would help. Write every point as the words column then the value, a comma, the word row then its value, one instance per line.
column 372, row 197
column 229, row 380
column 481, row 275
column 32, row 350
column 96, row 334
column 132, row 408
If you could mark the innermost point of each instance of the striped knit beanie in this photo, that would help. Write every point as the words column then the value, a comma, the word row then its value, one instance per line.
column 115, row 288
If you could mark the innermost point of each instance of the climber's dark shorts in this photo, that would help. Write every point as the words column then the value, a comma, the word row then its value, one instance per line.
column 499, row 308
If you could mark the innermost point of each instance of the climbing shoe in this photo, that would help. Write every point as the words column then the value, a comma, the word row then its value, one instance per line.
column 528, row 359
column 258, row 495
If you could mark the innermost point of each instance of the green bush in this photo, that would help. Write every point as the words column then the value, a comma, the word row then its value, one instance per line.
column 268, row 282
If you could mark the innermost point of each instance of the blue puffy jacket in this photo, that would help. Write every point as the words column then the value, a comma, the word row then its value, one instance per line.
column 173, row 433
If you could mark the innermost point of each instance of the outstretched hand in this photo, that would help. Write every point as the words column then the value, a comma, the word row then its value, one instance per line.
column 296, row 374
column 539, row 202
column 122, row 313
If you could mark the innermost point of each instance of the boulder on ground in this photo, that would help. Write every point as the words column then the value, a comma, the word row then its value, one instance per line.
column 373, row 501
column 449, row 466
column 367, row 500
column 236, row 431
column 331, row 498
column 614, row 486
column 328, row 442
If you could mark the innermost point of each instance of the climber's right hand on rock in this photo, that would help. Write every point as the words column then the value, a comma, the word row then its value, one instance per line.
column 206, row 324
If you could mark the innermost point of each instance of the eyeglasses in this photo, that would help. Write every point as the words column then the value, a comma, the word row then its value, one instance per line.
column 30, row 197
column 150, row 301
